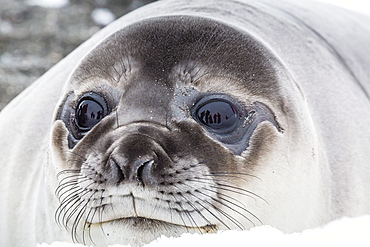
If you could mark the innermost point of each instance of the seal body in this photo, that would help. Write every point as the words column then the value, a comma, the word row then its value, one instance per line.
column 193, row 117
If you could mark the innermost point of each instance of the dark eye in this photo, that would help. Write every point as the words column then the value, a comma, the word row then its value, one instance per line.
column 90, row 111
column 217, row 114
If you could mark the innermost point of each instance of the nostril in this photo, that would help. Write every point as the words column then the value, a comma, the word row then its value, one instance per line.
column 139, row 173
column 117, row 171
column 144, row 171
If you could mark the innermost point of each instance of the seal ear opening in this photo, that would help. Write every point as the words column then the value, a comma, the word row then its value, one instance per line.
column 59, row 143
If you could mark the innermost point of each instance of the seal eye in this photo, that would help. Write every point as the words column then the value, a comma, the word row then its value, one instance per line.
column 219, row 115
column 88, row 114
column 90, row 110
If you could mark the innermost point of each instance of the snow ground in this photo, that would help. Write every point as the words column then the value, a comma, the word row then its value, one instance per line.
column 346, row 232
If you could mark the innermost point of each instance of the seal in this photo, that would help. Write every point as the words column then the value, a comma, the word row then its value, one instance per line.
column 193, row 117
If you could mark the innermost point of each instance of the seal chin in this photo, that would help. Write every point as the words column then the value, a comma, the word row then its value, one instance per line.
column 136, row 231
column 145, row 224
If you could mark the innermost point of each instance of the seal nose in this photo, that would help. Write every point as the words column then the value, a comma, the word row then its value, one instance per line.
column 139, row 171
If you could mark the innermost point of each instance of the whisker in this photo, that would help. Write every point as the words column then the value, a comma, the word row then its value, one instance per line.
column 72, row 184
column 68, row 198
column 169, row 206
column 232, row 219
column 240, row 189
column 216, row 208
column 67, row 172
column 101, row 211
column 70, row 201
column 229, row 188
column 62, row 213
column 223, row 200
column 183, row 211
column 88, row 225
column 80, row 215
column 64, row 186
column 75, row 206
column 191, row 219
column 225, row 195
column 73, row 191
column 77, row 220
column 69, row 177
column 195, row 209
column 209, row 211
column 233, row 174
column 59, row 211
column 75, row 179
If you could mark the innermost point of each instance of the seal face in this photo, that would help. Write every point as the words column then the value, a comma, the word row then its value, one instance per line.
column 152, row 134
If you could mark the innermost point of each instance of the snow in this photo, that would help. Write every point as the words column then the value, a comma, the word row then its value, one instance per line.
column 48, row 3
column 345, row 232
column 102, row 16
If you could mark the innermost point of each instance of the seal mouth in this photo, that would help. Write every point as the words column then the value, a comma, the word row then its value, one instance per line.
column 149, row 223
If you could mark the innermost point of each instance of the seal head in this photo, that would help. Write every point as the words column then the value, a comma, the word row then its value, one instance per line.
column 157, row 129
